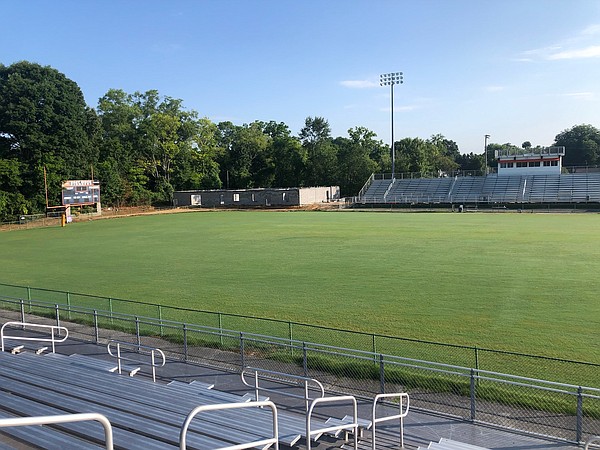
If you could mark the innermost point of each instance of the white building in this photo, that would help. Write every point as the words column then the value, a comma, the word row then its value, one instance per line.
column 530, row 161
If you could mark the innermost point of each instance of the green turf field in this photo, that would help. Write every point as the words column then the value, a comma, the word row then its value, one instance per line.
column 518, row 282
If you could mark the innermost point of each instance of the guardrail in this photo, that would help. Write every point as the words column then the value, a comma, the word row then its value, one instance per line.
column 65, row 418
column 401, row 396
column 282, row 378
column 152, row 351
column 264, row 443
column 52, row 339
column 350, row 426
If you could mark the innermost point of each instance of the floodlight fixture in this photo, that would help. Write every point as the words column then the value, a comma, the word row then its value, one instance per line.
column 391, row 79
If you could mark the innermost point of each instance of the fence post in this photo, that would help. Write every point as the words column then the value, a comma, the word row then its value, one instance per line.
column 477, row 363
column 137, row 332
column 381, row 374
column 221, row 329
column 22, row 311
column 28, row 299
column 96, row 333
column 57, row 317
column 242, row 355
column 160, row 320
column 291, row 338
column 185, row 343
column 579, row 431
column 68, row 306
column 110, row 309
column 473, row 393
column 304, row 359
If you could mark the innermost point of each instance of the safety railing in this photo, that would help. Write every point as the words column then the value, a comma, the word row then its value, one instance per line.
column 53, row 339
column 592, row 441
column 283, row 378
column 353, row 427
column 65, row 418
column 152, row 351
column 400, row 397
column 263, row 443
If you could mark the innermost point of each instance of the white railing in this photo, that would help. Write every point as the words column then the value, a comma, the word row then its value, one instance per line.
column 283, row 378
column 23, row 325
column 347, row 426
column 264, row 443
column 152, row 351
column 401, row 396
column 591, row 441
column 66, row 418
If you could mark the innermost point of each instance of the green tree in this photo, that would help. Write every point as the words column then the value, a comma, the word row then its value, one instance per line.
column 44, row 121
column 321, row 164
column 582, row 145
column 355, row 164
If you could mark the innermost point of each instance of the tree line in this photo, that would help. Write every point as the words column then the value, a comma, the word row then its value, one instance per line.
column 143, row 146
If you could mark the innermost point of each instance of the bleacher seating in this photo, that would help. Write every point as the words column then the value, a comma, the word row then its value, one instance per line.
column 143, row 414
column 565, row 188
column 448, row 444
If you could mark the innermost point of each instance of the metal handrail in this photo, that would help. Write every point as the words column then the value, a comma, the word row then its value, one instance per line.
column 590, row 441
column 65, row 418
column 347, row 426
column 264, row 443
column 51, row 339
column 374, row 419
column 305, row 381
column 151, row 351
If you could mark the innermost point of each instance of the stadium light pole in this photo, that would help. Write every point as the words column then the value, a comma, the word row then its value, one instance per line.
column 487, row 136
column 390, row 79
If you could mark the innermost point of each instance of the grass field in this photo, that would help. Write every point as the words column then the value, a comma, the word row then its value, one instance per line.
column 518, row 282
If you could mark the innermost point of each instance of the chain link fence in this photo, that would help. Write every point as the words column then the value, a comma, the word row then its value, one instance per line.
column 566, row 411
column 553, row 369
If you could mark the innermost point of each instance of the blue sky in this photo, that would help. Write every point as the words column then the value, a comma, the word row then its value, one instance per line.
column 515, row 69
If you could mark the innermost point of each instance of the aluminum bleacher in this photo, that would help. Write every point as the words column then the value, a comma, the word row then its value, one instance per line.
column 540, row 189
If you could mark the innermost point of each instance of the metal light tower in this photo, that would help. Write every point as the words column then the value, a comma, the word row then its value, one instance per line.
column 390, row 79
column 487, row 136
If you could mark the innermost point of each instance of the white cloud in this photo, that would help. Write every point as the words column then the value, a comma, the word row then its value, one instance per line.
column 581, row 95
column 580, row 53
column 358, row 84
column 583, row 45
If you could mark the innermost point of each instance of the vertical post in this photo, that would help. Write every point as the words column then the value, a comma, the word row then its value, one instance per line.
column 22, row 311
column 28, row 299
column 304, row 359
column 68, row 306
column 96, row 333
column 242, row 355
column 390, row 79
column 56, row 311
column 137, row 332
column 473, row 394
column 110, row 309
column 160, row 320
column 221, row 328
column 477, row 363
column 291, row 338
column 381, row 375
column 579, row 430
column 185, row 343
column 393, row 145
